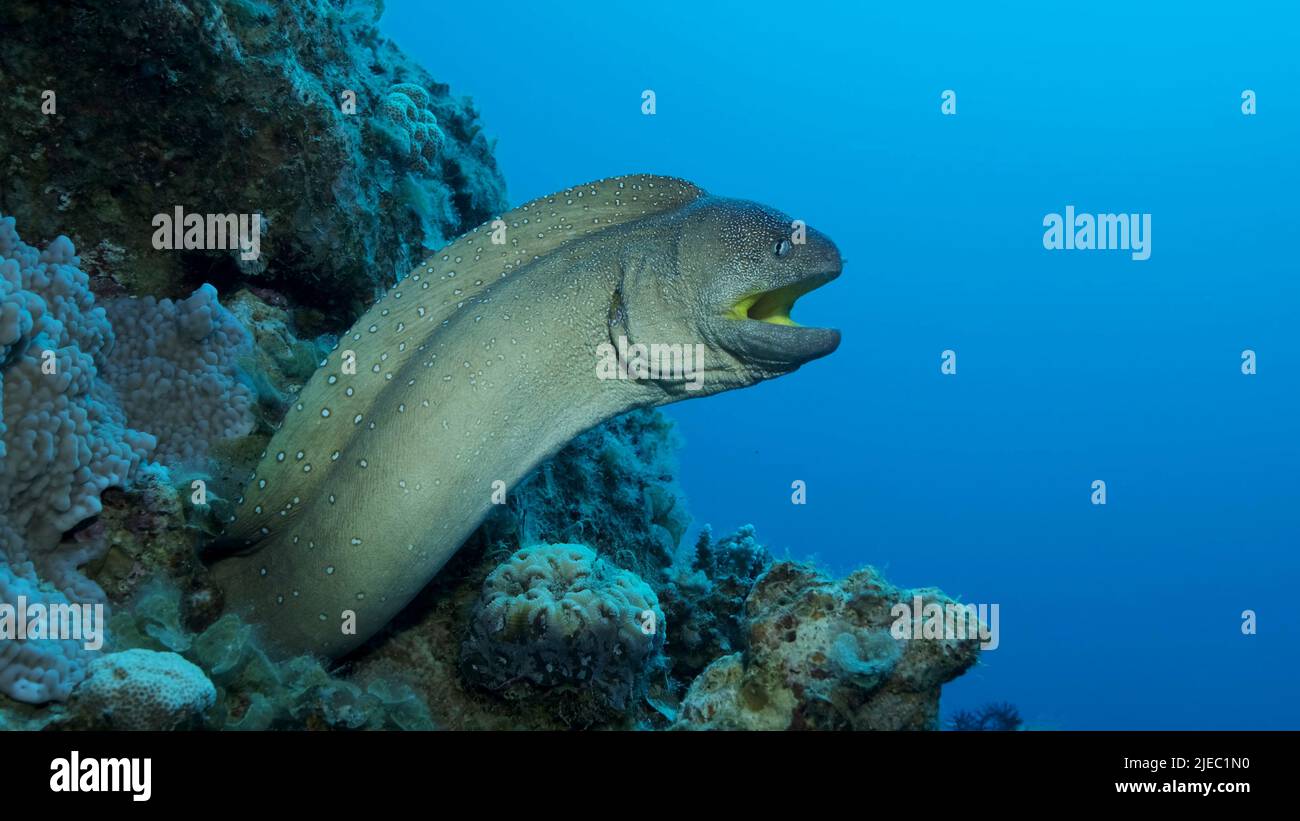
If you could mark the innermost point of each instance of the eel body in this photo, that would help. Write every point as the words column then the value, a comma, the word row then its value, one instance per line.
column 485, row 361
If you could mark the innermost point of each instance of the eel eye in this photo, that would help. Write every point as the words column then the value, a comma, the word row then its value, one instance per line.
column 781, row 248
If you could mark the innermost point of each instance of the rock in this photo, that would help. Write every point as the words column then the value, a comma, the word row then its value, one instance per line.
column 820, row 654
column 145, row 690
column 243, row 107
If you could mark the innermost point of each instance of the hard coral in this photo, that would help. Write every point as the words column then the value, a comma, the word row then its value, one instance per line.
column 175, row 371
column 416, row 130
column 63, row 441
column 556, row 616
column 145, row 690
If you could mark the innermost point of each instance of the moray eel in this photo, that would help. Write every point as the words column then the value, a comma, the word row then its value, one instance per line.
column 481, row 364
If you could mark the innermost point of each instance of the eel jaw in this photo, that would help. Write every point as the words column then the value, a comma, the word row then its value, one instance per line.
column 773, row 306
column 762, row 332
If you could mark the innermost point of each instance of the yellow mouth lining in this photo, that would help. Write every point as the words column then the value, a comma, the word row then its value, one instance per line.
column 772, row 307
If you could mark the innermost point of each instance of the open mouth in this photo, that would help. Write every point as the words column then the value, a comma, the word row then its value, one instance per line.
column 773, row 307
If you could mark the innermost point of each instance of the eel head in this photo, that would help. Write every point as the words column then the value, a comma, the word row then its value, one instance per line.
column 729, row 281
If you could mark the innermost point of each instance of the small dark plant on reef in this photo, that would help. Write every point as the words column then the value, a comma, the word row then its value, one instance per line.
column 996, row 717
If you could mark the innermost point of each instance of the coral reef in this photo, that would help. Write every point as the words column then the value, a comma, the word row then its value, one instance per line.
column 175, row 372
column 503, row 638
column 252, row 692
column 557, row 618
column 358, row 161
column 612, row 489
column 280, row 362
column 147, row 531
column 63, row 441
column 819, row 654
column 538, row 622
column 407, row 107
column 705, row 598
column 145, row 690
column 165, row 674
